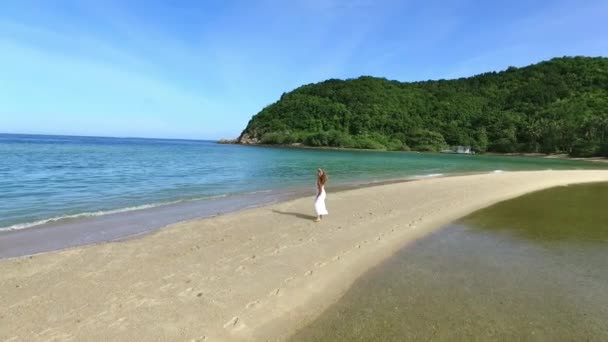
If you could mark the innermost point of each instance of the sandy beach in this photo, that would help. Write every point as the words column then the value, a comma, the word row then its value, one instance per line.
column 255, row 275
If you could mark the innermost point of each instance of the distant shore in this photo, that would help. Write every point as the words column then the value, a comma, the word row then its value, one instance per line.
column 250, row 276
column 518, row 154
column 551, row 156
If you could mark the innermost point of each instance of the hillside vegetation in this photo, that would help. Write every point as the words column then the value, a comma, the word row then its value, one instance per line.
column 556, row 106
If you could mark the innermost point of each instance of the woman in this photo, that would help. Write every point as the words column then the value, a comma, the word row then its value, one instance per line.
column 320, row 199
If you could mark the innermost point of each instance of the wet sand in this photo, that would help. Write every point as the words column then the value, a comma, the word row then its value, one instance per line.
column 256, row 275
column 69, row 233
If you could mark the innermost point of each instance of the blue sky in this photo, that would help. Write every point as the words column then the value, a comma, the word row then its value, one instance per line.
column 201, row 69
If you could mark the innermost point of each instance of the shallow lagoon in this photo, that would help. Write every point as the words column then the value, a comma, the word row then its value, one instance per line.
column 532, row 268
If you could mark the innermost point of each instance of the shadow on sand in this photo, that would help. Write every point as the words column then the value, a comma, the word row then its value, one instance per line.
column 298, row 215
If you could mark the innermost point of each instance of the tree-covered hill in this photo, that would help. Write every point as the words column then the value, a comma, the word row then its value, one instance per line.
column 556, row 106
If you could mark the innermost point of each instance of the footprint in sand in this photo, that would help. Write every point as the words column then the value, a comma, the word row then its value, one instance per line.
column 240, row 269
column 308, row 273
column 168, row 276
column 320, row 264
column 231, row 323
column 118, row 322
column 252, row 304
column 166, row 287
column 185, row 292
column 336, row 258
column 252, row 257
column 287, row 280
column 275, row 292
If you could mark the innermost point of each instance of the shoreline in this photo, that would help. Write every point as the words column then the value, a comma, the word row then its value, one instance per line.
column 49, row 226
column 70, row 233
column 256, row 275
column 562, row 156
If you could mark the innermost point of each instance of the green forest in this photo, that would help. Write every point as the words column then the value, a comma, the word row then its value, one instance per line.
column 556, row 106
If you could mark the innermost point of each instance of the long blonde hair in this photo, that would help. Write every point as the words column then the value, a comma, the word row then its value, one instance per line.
column 322, row 178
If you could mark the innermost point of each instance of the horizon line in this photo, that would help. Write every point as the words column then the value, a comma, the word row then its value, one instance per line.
column 107, row 137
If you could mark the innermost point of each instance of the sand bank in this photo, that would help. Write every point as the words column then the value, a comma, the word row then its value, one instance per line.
column 254, row 275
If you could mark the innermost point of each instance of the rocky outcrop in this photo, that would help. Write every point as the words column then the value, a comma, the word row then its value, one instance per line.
column 247, row 139
column 227, row 141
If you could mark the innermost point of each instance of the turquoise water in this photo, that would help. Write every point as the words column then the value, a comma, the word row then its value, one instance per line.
column 46, row 178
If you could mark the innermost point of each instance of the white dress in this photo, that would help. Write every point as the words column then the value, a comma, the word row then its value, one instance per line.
column 320, row 202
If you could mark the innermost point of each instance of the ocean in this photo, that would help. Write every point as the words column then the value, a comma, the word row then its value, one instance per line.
column 50, row 180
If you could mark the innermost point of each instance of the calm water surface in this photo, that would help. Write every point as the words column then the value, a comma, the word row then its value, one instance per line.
column 531, row 269
column 47, row 178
